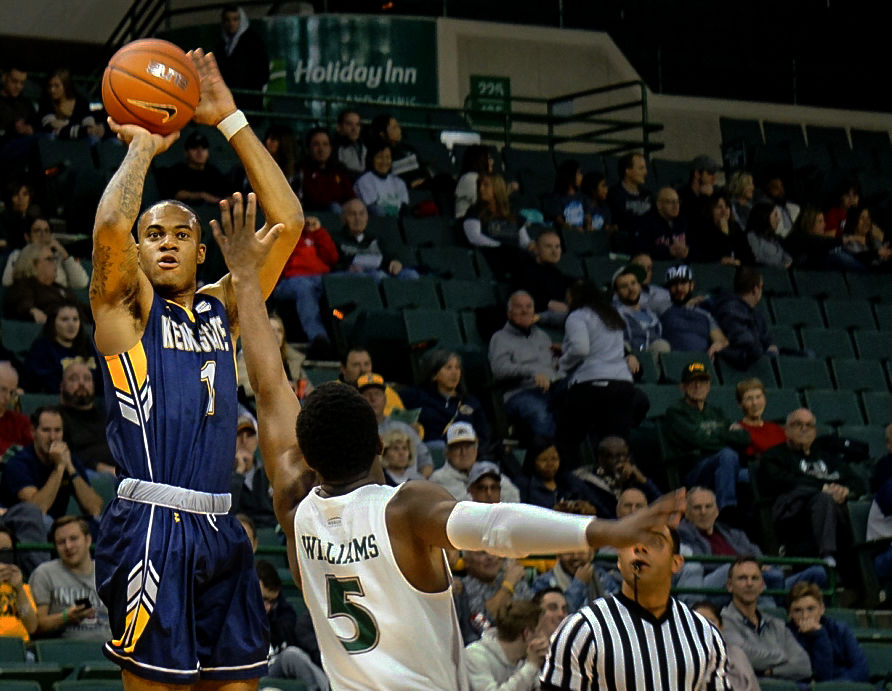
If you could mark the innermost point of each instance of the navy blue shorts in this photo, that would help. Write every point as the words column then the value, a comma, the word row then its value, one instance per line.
column 183, row 597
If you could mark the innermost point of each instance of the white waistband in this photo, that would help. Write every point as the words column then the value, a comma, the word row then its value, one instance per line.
column 172, row 497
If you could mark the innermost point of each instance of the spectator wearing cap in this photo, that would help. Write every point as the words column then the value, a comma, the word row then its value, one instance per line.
column 702, row 441
column 654, row 296
column 643, row 329
column 195, row 180
column 663, row 232
column 701, row 187
column 485, row 483
column 373, row 388
column 522, row 360
column 254, row 497
column 686, row 326
column 356, row 361
column 740, row 321
column 461, row 455
column 541, row 484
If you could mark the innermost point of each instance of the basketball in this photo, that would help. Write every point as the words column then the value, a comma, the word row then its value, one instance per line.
column 151, row 83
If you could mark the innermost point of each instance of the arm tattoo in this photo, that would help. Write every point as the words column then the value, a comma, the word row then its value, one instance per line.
column 125, row 188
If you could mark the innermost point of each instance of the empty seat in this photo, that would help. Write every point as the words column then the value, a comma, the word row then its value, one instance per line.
column 347, row 292
column 826, row 343
column 422, row 293
column 32, row 401
column 780, row 403
column 802, row 373
column 786, row 134
column 848, row 314
column 785, row 337
column 12, row 649
column 674, row 362
column 873, row 345
column 571, row 266
column 600, row 269
column 534, row 169
column 834, row 407
column 777, row 281
column 725, row 399
column 796, row 312
column 858, row 375
column 650, row 369
column 739, row 129
column 820, row 284
column 670, row 173
column 432, row 328
column 884, row 316
column 877, row 407
column 582, row 244
column 872, row 435
column 762, row 369
column 19, row 335
column 869, row 286
column 711, row 278
column 434, row 231
column 467, row 295
column 831, row 137
column 68, row 653
column 661, row 396
column 448, row 262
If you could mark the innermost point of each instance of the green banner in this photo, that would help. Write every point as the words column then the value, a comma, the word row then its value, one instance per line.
column 389, row 60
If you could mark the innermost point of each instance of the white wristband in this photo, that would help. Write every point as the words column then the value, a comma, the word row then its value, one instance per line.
column 232, row 123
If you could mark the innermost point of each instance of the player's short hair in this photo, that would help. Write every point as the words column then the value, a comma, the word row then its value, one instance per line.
column 804, row 589
column 743, row 559
column 711, row 606
column 514, row 617
column 62, row 521
column 175, row 202
column 268, row 575
column 338, row 432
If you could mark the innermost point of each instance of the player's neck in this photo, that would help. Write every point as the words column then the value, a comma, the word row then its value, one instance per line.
column 337, row 489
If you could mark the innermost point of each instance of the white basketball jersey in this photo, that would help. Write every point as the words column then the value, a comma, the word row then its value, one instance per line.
column 375, row 630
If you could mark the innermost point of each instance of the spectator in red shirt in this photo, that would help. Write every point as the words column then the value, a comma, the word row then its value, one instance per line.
column 301, row 282
column 765, row 434
column 325, row 184
column 15, row 428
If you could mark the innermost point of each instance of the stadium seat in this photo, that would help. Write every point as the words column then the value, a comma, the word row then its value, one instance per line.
column 873, row 345
column 831, row 137
column 873, row 436
column 670, row 173
column 12, row 649
column 725, row 399
column 884, row 316
column 19, row 335
column 673, row 362
column 879, row 660
column 747, row 131
column 661, row 396
column 834, row 407
column 32, row 401
column 433, row 328
column 533, row 169
column 761, row 369
column 650, row 368
column 434, row 231
column 802, row 373
column 600, row 269
column 712, row 278
column 399, row 294
column 582, row 244
column 793, row 311
column 777, row 281
column 68, row 652
column 329, row 220
column 572, row 266
column 849, row 314
column 768, row 684
column 785, row 134
column 271, row 684
column 877, row 407
column 779, row 403
column 826, row 343
column 89, row 685
column 468, row 321
column 858, row 375
column 820, row 284
column 785, row 337
column 449, row 262
column 347, row 292
column 843, row 686
column 467, row 295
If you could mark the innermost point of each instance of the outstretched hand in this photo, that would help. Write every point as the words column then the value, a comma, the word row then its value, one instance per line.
column 243, row 249
column 127, row 133
column 637, row 527
column 215, row 101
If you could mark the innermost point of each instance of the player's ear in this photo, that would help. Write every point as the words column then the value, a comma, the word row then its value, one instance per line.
column 677, row 562
column 201, row 252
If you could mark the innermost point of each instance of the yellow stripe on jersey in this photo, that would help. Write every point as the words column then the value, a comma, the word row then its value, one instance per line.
column 137, row 357
column 133, row 630
column 188, row 312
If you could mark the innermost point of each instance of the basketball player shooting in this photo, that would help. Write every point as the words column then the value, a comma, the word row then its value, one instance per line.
column 369, row 558
column 175, row 570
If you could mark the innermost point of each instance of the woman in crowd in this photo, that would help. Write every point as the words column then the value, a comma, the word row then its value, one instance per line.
column 761, row 232
column 764, row 433
column 540, row 484
column 398, row 457
column 597, row 214
column 813, row 246
column 383, row 193
column 62, row 341
column 741, row 189
column 18, row 211
column 64, row 113
column 476, row 161
column 564, row 206
column 406, row 164
column 34, row 292
column 69, row 271
column 598, row 374
column 864, row 241
column 718, row 237
column 444, row 399
column 292, row 361
column 847, row 197
column 831, row 646
column 282, row 146
column 325, row 184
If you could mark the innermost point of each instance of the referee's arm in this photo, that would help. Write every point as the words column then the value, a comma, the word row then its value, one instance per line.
column 571, row 657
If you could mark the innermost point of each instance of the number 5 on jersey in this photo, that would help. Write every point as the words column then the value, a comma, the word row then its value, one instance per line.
column 365, row 636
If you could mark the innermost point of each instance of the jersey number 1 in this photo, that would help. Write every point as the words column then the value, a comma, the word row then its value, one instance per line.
column 208, row 372
column 339, row 605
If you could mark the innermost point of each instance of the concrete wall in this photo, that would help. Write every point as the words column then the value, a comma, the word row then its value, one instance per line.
column 87, row 21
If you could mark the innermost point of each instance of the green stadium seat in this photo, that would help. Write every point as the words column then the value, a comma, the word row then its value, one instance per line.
column 767, row 684
column 879, row 660
column 481, row 265
column 421, row 294
column 826, row 343
column 784, row 337
column 762, row 369
column 329, row 220
column 582, row 244
column 571, row 265
column 802, row 373
column 32, row 401
column 435, row 328
column 19, row 335
column 858, row 375
column 877, row 407
column 600, row 269
column 650, row 369
column 849, row 314
column 748, row 131
column 320, row 375
column 661, row 396
column 12, row 649
column 88, row 685
column 843, row 686
column 346, row 292
column 779, row 403
column 846, row 615
column 433, row 231
column 777, row 281
column 834, row 407
column 873, row 345
column 792, row 311
column 18, row 684
column 673, row 362
column 883, row 314
column 873, row 436
column 449, row 262
column 725, row 399
column 467, row 295
column 470, row 330
column 820, row 284
column 269, row 537
column 712, row 278
column 68, row 652
column 869, row 287
column 271, row 684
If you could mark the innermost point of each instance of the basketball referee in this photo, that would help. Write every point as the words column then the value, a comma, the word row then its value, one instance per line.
column 641, row 639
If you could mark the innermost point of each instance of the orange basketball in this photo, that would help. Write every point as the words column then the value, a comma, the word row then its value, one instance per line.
column 151, row 83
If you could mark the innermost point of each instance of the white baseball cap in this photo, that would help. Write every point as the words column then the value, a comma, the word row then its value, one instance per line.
column 460, row 431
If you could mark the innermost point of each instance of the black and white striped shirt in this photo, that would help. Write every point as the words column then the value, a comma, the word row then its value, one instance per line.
column 614, row 644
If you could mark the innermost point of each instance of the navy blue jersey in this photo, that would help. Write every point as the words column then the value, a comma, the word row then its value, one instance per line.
column 171, row 399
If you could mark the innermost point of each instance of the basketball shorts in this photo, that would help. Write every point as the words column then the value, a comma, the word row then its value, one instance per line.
column 182, row 593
